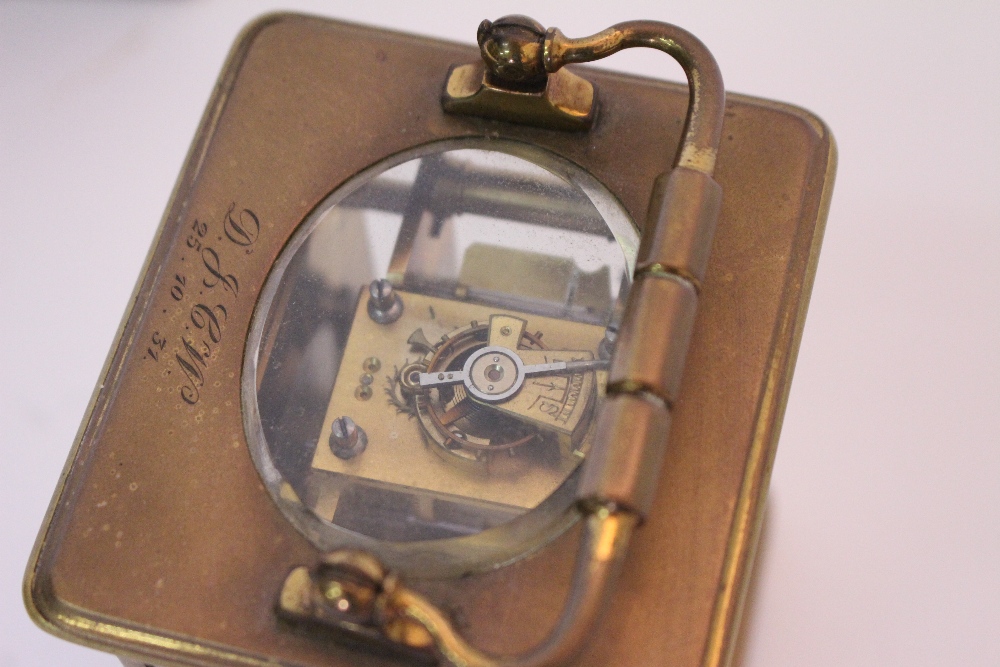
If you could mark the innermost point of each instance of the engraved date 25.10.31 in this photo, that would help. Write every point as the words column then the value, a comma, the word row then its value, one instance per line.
column 210, row 286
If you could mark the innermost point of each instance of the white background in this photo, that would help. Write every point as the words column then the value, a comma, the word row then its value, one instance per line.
column 883, row 532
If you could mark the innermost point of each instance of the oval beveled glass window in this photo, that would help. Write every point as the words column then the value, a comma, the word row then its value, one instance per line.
column 428, row 353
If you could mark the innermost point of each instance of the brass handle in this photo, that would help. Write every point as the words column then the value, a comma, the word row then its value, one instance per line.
column 352, row 592
column 703, row 125
column 519, row 54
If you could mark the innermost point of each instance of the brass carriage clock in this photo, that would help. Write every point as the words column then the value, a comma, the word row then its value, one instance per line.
column 397, row 381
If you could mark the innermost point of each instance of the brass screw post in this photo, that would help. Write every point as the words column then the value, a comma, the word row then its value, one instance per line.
column 384, row 305
column 347, row 439
column 607, row 344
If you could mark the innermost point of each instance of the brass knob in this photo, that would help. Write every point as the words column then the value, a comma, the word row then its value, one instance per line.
column 512, row 48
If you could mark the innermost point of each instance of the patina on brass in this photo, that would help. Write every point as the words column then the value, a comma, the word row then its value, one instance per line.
column 123, row 566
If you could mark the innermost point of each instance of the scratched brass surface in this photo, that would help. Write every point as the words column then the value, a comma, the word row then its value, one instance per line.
column 162, row 540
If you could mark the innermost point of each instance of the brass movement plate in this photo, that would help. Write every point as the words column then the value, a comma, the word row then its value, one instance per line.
column 523, row 484
column 162, row 542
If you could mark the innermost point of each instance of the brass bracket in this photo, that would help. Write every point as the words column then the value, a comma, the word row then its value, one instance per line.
column 352, row 594
column 512, row 84
column 566, row 103
column 348, row 593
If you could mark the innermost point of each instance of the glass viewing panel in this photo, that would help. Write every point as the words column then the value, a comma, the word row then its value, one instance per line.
column 428, row 352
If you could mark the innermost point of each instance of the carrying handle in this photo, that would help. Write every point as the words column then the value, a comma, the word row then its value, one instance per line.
column 352, row 591
column 519, row 55
column 703, row 124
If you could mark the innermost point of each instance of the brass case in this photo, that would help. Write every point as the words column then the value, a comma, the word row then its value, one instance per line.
column 161, row 543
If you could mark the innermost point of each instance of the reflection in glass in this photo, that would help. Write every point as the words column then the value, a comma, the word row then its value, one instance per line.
column 430, row 348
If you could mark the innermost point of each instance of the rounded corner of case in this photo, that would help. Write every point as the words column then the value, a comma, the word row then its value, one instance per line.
column 816, row 124
column 38, row 599
column 257, row 26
